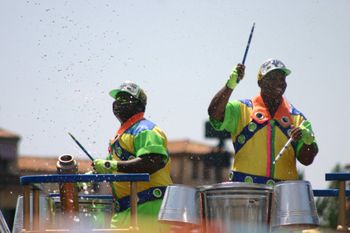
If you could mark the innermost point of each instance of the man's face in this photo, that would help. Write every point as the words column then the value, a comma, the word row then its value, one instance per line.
column 124, row 106
column 273, row 84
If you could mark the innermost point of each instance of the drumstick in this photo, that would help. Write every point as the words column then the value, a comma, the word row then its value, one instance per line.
column 247, row 48
column 81, row 147
column 285, row 146
column 248, row 44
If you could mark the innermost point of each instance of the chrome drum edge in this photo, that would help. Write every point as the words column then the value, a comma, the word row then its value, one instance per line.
column 180, row 205
column 294, row 206
column 236, row 207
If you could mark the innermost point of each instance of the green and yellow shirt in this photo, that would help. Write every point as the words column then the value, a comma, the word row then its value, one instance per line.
column 141, row 138
column 257, row 137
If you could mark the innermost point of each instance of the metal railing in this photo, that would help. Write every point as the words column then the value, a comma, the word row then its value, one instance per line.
column 3, row 225
column 30, row 188
column 341, row 192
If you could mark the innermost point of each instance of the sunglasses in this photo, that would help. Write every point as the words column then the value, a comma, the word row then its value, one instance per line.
column 126, row 99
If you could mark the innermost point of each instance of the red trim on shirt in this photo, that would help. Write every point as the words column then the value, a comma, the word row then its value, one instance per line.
column 269, row 149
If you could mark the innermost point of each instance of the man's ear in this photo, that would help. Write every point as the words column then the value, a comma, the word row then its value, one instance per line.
column 259, row 83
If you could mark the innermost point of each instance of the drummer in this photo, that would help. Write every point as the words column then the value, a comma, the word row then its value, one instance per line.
column 139, row 146
column 260, row 127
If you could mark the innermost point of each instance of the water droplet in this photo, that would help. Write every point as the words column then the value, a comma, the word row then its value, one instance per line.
column 76, row 219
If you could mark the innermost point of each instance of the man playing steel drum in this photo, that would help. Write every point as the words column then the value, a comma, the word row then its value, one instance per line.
column 260, row 127
column 139, row 146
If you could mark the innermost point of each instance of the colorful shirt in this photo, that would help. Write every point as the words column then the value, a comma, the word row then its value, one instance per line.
column 257, row 137
column 141, row 138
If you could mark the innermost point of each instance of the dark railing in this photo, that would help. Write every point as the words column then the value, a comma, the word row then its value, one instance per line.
column 71, row 178
column 341, row 192
column 329, row 192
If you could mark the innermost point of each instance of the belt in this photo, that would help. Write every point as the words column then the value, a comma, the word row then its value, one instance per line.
column 248, row 178
column 150, row 194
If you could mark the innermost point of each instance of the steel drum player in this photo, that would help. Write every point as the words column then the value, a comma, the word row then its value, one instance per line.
column 139, row 146
column 261, row 126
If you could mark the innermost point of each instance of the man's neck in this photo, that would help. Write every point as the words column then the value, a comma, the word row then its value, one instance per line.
column 135, row 117
column 272, row 104
column 127, row 124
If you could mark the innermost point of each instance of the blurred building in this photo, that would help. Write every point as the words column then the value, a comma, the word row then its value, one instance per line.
column 9, row 178
column 197, row 163
column 192, row 163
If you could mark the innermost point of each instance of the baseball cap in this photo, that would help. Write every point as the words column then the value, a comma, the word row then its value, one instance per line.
column 272, row 64
column 131, row 88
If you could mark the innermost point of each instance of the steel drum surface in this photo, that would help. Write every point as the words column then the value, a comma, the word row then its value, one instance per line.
column 294, row 206
column 236, row 207
column 180, row 205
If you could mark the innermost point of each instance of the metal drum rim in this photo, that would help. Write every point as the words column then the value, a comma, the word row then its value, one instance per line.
column 182, row 185
column 292, row 182
column 236, row 185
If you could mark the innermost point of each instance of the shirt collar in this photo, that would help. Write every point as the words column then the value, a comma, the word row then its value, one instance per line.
column 261, row 114
column 127, row 124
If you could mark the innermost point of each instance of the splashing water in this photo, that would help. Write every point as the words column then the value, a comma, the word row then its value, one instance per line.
column 76, row 219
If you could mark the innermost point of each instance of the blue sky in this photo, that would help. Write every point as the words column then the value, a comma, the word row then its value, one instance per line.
column 59, row 60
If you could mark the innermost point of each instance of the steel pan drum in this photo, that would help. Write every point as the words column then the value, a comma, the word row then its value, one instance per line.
column 180, row 205
column 236, row 207
column 294, row 206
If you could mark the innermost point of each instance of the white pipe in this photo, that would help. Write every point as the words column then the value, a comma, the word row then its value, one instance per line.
column 285, row 146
